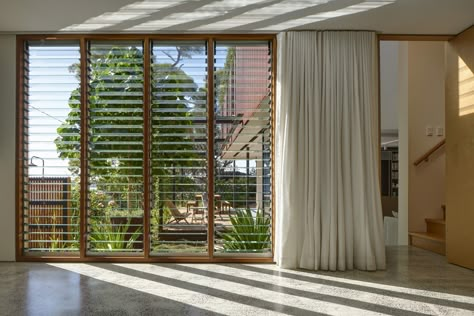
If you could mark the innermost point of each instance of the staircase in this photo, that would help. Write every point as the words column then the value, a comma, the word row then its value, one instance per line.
column 434, row 239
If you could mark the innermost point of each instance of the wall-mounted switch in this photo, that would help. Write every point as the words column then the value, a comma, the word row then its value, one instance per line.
column 429, row 131
column 439, row 131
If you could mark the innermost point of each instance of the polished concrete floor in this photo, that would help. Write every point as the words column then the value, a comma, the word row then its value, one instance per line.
column 416, row 282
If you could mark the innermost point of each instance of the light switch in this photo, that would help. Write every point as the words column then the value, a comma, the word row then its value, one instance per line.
column 439, row 131
column 429, row 131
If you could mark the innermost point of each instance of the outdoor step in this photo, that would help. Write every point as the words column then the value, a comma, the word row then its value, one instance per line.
column 429, row 241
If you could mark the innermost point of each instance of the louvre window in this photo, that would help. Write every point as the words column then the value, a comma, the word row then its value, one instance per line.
column 115, row 146
column 146, row 147
column 242, row 146
column 179, row 147
column 51, row 147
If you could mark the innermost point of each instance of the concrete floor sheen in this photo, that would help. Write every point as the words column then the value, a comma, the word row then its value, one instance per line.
column 416, row 282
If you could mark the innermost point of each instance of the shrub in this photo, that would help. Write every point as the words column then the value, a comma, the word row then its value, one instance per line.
column 248, row 234
column 108, row 236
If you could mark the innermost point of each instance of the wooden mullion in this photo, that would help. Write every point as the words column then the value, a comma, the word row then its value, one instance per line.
column 157, row 259
column 272, row 145
column 379, row 118
column 200, row 36
column 146, row 146
column 83, row 158
column 20, row 148
column 210, row 145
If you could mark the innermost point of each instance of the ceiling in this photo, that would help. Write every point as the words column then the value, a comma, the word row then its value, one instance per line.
column 235, row 16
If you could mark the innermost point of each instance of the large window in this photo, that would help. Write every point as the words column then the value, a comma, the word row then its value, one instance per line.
column 179, row 152
column 156, row 148
column 115, row 146
column 51, row 150
column 242, row 142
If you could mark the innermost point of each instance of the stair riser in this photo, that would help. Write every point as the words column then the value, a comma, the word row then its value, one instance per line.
column 430, row 245
column 436, row 228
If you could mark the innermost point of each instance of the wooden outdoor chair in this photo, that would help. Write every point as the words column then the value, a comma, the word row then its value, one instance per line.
column 225, row 207
column 190, row 205
column 177, row 215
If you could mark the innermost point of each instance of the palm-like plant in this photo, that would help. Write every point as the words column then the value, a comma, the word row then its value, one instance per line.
column 248, row 234
column 109, row 237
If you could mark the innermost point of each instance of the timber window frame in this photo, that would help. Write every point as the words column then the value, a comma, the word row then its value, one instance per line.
column 145, row 255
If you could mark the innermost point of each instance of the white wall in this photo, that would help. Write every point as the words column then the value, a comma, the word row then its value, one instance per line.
column 389, row 87
column 394, row 117
column 403, row 136
column 7, row 146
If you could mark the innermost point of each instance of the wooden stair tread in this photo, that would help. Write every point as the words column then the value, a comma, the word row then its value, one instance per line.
column 435, row 221
column 429, row 236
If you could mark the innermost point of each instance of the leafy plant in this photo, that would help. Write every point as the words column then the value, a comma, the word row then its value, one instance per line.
column 109, row 236
column 52, row 238
column 115, row 80
column 248, row 233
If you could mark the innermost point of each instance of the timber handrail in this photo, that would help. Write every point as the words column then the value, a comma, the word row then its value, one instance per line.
column 427, row 155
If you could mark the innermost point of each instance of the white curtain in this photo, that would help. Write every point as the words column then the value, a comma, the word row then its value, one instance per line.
column 327, row 185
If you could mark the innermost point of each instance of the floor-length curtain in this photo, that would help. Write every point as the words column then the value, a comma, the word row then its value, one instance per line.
column 327, row 187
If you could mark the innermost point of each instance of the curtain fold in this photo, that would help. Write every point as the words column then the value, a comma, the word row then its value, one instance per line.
column 327, row 185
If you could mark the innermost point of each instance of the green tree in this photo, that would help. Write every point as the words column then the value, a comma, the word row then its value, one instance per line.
column 115, row 129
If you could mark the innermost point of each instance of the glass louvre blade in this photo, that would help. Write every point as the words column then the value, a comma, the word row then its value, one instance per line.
column 178, row 148
column 115, row 148
column 51, row 142
column 242, row 147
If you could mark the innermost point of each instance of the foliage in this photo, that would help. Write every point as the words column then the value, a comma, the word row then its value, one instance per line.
column 165, row 216
column 248, row 233
column 56, row 236
column 185, row 51
column 236, row 190
column 105, row 235
column 234, row 185
column 117, row 75
column 222, row 76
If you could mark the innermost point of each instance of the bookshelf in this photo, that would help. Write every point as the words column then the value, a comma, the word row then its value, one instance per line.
column 390, row 171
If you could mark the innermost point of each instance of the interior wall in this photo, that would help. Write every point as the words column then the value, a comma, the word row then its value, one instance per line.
column 403, row 142
column 460, row 150
column 412, row 90
column 7, row 145
column 389, row 85
column 394, row 118
column 426, row 107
